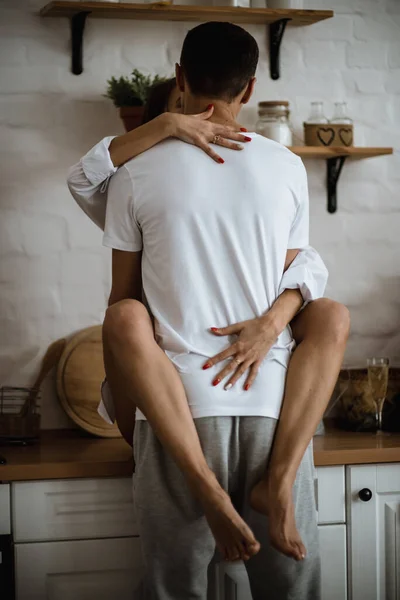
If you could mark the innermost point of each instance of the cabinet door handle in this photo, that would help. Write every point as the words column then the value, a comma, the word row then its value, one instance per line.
column 365, row 495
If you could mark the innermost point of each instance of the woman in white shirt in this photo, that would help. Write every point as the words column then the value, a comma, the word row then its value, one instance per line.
column 320, row 329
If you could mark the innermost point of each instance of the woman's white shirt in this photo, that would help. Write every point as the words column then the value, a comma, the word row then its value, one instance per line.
column 87, row 181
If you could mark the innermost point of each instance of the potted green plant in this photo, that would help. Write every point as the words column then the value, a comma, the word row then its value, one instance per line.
column 129, row 94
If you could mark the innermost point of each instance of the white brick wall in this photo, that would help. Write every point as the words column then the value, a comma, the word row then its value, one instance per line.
column 54, row 274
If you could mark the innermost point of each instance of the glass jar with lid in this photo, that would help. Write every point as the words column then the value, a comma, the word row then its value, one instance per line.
column 273, row 121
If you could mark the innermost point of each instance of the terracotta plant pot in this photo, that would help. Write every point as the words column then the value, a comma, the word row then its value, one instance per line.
column 131, row 116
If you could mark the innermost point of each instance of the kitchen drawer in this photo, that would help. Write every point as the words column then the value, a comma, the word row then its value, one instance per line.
column 72, row 509
column 330, row 495
column 79, row 570
column 5, row 519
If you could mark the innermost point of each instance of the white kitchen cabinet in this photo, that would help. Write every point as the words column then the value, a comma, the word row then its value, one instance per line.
column 373, row 495
column 73, row 509
column 233, row 582
column 79, row 570
column 332, row 539
column 54, row 521
column 5, row 518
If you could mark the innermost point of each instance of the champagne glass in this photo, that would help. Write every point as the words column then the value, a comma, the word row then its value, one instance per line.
column 378, row 376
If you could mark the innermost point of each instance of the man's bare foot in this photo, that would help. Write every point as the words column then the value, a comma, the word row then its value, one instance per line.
column 234, row 538
column 277, row 503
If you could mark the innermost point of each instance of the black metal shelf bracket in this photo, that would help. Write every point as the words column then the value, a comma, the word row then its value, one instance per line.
column 276, row 31
column 334, row 168
column 77, row 27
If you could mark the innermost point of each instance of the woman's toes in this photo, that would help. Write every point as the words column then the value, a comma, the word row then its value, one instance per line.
column 301, row 549
column 299, row 552
column 302, row 553
column 253, row 548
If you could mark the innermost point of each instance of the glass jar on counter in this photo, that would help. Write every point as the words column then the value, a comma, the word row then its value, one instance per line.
column 273, row 121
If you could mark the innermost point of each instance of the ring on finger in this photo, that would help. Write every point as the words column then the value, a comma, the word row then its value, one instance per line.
column 237, row 361
column 216, row 139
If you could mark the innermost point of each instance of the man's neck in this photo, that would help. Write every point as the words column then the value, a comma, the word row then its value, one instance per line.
column 224, row 113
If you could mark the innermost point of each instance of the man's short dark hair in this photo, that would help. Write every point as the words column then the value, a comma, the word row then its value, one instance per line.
column 218, row 60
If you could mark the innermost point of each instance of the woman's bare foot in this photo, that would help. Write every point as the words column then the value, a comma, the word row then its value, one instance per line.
column 234, row 538
column 277, row 503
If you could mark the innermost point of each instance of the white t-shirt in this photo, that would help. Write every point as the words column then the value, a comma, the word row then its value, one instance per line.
column 214, row 240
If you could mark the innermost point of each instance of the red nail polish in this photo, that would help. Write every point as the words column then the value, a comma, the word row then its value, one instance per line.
column 221, row 160
column 243, row 129
column 210, row 106
column 246, row 387
column 247, row 139
column 216, row 382
column 214, row 328
column 206, row 366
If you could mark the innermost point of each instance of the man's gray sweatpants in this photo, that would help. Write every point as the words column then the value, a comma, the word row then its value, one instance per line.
column 176, row 540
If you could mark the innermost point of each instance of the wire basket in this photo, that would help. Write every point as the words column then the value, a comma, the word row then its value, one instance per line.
column 19, row 414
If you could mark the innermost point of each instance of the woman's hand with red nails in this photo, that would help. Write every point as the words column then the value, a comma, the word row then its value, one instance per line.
column 255, row 339
column 200, row 131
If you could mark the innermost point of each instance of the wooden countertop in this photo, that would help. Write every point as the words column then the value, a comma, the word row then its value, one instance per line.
column 62, row 454
column 338, row 447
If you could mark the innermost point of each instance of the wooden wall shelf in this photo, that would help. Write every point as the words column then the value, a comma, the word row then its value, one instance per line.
column 335, row 158
column 275, row 19
column 159, row 12
column 339, row 151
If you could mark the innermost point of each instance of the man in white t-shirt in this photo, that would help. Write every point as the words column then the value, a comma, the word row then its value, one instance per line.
column 209, row 246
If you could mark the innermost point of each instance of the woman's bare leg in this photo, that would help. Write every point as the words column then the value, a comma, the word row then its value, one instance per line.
column 139, row 373
column 124, row 414
column 321, row 331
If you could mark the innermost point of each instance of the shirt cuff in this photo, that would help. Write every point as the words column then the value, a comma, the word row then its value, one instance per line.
column 116, row 244
column 308, row 274
column 97, row 164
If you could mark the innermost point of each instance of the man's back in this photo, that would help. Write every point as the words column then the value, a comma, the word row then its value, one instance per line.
column 215, row 239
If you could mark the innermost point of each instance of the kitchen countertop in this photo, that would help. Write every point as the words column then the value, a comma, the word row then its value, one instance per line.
column 338, row 447
column 67, row 453
column 62, row 454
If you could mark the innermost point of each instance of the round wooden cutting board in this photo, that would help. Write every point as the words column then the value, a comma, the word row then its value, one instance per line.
column 79, row 376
